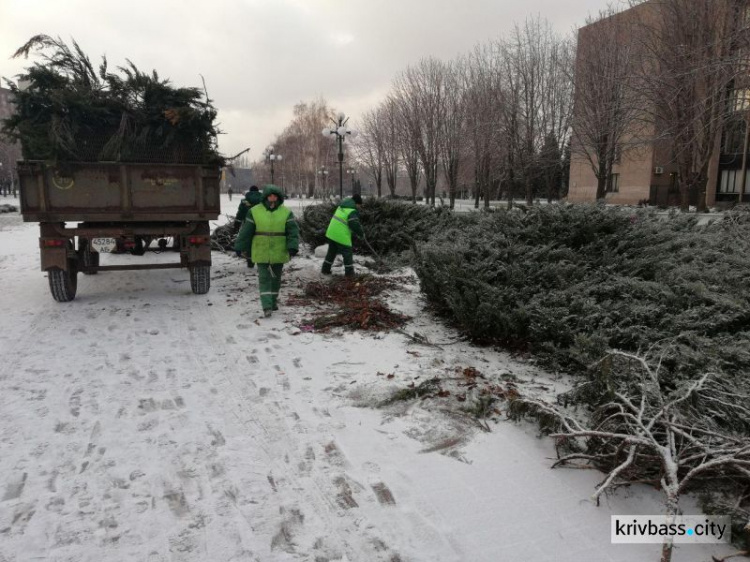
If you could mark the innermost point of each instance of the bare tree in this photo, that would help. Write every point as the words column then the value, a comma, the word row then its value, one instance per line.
column 388, row 115
column 453, row 126
column 301, row 146
column 370, row 146
column 486, row 119
column 557, row 108
column 528, row 57
column 407, row 143
column 656, row 429
column 418, row 95
column 607, row 111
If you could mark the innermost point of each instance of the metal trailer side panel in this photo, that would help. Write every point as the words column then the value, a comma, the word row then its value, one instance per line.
column 114, row 192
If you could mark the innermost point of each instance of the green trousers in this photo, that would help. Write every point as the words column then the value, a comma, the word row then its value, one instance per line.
column 334, row 248
column 269, row 281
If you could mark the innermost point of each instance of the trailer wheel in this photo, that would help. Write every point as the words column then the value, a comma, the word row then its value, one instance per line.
column 200, row 279
column 63, row 284
column 88, row 257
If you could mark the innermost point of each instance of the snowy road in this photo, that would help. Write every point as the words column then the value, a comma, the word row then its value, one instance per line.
column 143, row 423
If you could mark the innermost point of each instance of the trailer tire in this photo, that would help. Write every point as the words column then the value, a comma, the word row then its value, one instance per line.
column 89, row 257
column 63, row 284
column 140, row 247
column 200, row 279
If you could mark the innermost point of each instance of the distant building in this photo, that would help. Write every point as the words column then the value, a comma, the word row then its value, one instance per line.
column 648, row 173
column 238, row 180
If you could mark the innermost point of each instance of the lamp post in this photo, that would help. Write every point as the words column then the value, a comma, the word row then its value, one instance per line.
column 351, row 172
column 340, row 131
column 323, row 173
column 272, row 157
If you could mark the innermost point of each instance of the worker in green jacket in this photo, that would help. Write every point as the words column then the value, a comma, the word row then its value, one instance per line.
column 251, row 199
column 339, row 234
column 271, row 234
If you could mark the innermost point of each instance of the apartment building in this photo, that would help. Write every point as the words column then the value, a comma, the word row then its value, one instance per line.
column 647, row 172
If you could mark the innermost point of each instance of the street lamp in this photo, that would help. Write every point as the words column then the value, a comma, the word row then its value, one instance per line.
column 323, row 173
column 351, row 172
column 272, row 157
column 341, row 131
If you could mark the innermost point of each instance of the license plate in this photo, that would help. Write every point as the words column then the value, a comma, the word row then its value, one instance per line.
column 103, row 245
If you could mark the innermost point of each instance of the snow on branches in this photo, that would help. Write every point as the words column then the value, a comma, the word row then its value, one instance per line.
column 655, row 430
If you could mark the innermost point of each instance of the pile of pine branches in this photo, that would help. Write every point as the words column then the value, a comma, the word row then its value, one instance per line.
column 357, row 307
column 570, row 282
column 73, row 112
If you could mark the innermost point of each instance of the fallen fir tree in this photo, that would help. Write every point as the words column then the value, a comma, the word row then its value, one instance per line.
column 73, row 112
column 566, row 283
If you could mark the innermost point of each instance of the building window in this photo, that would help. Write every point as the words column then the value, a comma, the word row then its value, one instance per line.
column 740, row 99
column 613, row 185
column 731, row 181
column 618, row 155
column 734, row 137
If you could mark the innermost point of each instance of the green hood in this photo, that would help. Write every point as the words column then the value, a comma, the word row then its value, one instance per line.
column 348, row 203
column 254, row 197
column 268, row 190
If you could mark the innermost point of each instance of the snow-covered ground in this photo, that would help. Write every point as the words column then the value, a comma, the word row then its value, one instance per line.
column 144, row 423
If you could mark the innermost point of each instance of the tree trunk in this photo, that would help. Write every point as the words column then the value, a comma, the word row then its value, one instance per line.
column 601, row 187
column 684, row 197
column 668, row 545
column 529, row 191
column 702, row 180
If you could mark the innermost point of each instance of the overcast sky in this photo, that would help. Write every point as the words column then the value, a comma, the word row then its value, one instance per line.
column 260, row 57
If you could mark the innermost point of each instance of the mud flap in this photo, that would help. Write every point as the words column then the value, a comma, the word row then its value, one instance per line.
column 199, row 255
column 54, row 257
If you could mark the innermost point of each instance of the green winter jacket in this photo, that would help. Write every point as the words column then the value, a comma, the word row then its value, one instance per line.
column 252, row 198
column 345, row 221
column 270, row 233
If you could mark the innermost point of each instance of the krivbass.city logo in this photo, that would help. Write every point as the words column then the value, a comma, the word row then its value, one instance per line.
column 685, row 529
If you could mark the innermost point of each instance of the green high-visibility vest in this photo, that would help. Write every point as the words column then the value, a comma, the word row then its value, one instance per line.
column 338, row 229
column 269, row 240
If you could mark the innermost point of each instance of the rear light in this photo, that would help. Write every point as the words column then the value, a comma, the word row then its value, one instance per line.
column 54, row 243
column 129, row 244
column 197, row 240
